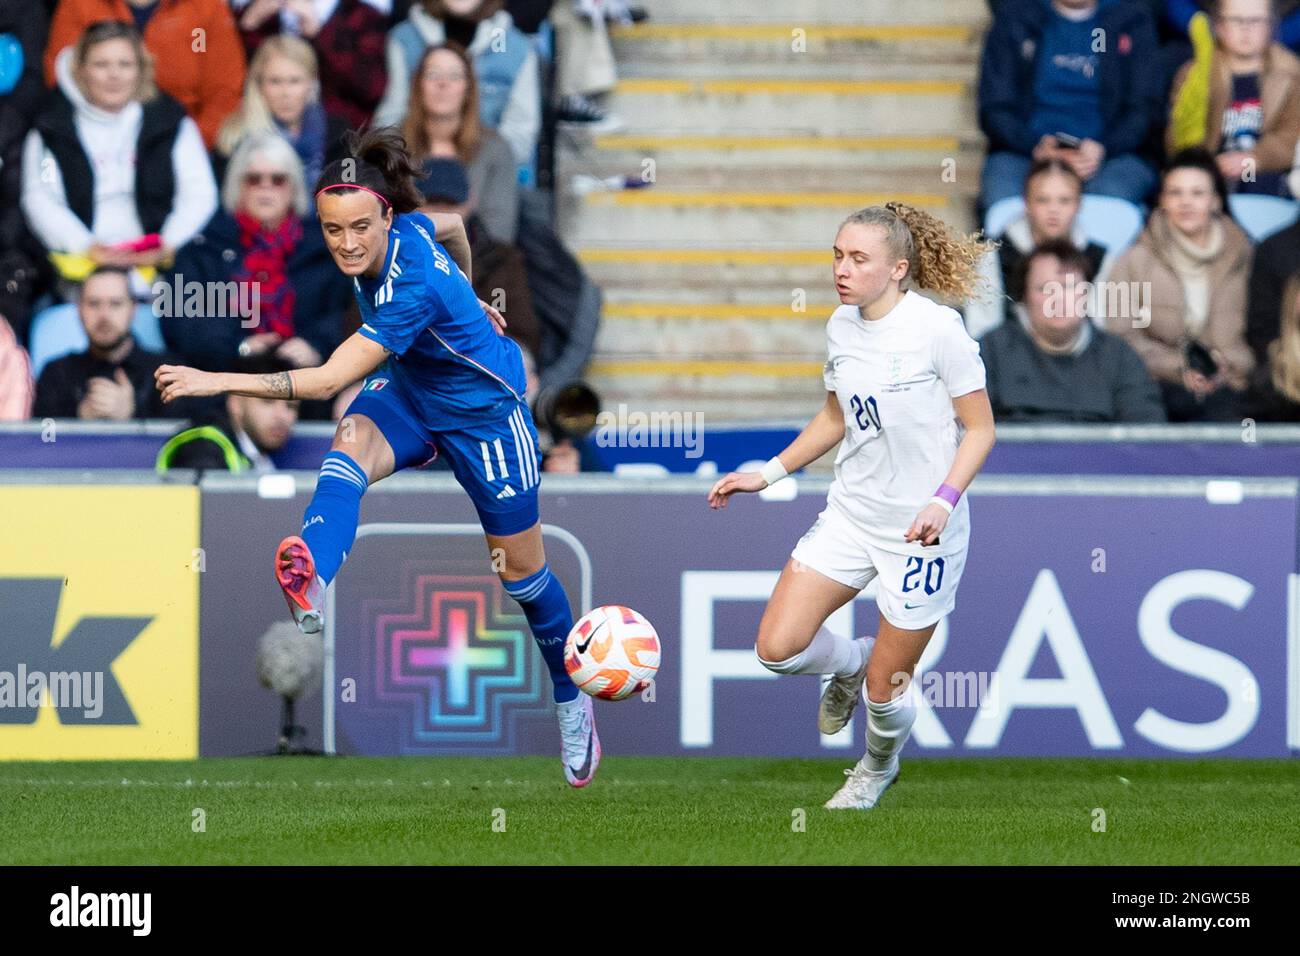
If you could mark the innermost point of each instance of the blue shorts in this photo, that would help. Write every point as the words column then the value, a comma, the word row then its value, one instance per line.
column 495, row 462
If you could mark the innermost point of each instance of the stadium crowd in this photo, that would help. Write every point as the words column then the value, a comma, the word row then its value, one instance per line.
column 1141, row 175
column 158, row 160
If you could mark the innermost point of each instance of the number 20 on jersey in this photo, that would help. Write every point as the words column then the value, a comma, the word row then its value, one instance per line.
column 867, row 410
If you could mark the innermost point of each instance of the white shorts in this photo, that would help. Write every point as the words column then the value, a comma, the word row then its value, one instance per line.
column 912, row 592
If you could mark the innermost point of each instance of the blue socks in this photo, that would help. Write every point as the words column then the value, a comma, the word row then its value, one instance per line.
column 547, row 608
column 329, row 525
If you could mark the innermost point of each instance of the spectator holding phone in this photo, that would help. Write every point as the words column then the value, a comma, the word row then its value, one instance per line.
column 1070, row 80
column 1184, row 307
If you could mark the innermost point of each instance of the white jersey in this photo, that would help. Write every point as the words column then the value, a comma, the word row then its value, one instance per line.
column 895, row 378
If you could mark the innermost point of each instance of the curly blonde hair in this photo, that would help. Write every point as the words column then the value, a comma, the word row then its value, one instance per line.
column 938, row 257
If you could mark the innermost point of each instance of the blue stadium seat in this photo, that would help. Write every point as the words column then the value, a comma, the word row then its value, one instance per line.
column 57, row 332
column 1261, row 216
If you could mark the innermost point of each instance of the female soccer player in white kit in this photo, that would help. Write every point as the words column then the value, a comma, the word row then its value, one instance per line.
column 906, row 403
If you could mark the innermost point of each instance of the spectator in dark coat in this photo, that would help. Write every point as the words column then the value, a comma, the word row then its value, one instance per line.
column 1277, row 259
column 113, row 379
column 23, row 30
column 1042, row 73
column 500, row 276
column 21, row 84
column 264, row 238
column 1052, row 364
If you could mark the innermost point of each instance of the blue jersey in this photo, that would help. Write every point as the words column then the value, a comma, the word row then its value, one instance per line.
column 447, row 356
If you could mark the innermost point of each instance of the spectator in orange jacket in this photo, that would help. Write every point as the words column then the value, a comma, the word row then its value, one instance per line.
column 204, row 70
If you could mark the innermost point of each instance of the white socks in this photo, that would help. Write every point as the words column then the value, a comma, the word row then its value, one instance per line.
column 826, row 654
column 888, row 725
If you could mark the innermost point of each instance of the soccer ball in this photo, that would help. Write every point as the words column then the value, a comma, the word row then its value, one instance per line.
column 612, row 652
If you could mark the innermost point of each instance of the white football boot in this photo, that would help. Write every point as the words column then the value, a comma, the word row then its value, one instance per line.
column 579, row 744
column 863, row 787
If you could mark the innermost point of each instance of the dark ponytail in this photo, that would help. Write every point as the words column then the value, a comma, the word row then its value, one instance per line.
column 378, row 161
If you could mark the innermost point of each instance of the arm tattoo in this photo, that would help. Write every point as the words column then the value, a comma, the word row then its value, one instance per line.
column 279, row 384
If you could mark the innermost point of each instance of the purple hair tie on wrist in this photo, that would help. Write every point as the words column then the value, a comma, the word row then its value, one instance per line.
column 948, row 493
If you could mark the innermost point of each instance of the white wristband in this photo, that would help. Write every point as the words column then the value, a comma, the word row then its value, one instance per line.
column 936, row 500
column 773, row 471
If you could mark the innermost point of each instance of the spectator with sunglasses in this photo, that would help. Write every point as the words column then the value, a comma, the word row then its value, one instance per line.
column 265, row 237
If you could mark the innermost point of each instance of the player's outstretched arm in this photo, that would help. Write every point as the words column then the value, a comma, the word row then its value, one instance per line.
column 819, row 436
column 356, row 358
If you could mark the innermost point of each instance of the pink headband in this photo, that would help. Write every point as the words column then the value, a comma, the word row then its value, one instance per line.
column 354, row 186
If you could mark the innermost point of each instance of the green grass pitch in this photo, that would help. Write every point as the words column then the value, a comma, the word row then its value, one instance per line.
column 460, row 810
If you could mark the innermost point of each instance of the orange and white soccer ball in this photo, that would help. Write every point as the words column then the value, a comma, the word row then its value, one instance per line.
column 612, row 652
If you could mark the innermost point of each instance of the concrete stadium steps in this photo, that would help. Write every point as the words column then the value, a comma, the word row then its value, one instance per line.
column 698, row 267
column 790, row 44
column 817, row 12
column 802, row 105
column 721, row 389
column 789, row 177
column 758, row 152
column 704, row 215
column 639, row 328
column 681, row 154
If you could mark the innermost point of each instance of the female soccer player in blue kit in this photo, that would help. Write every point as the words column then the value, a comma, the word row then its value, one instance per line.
column 440, row 379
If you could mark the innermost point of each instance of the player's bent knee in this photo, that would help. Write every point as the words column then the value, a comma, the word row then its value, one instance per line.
column 777, row 652
column 788, row 665
column 775, row 642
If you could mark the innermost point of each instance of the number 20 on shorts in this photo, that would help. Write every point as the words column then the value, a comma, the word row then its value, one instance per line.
column 931, row 580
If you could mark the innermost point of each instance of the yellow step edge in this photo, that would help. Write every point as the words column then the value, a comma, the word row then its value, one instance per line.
column 838, row 87
column 936, row 143
column 711, row 367
column 778, row 31
column 788, row 257
column 849, row 201
column 714, row 310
